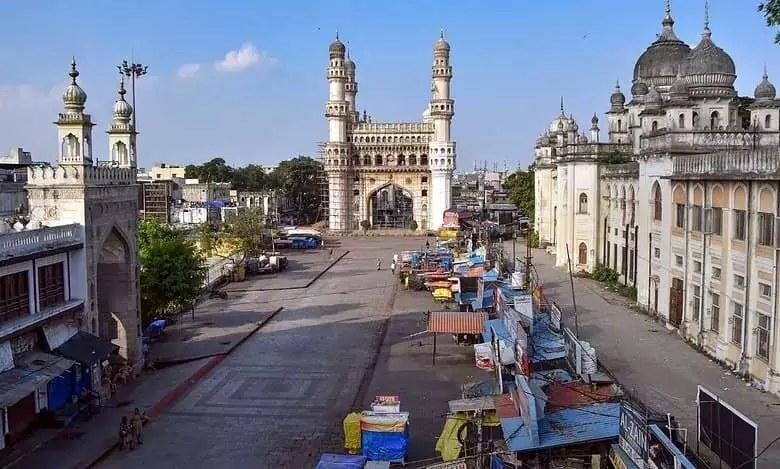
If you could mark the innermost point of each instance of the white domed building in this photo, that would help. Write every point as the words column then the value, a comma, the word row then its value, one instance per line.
column 681, row 199
column 386, row 175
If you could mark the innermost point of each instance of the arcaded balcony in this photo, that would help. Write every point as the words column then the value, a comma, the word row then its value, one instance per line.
column 687, row 140
column 624, row 170
column 761, row 164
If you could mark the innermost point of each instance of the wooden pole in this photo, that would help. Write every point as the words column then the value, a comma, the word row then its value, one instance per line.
column 434, row 349
column 573, row 296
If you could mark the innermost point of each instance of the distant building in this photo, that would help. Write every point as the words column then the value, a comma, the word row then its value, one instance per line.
column 156, row 200
column 469, row 190
column 166, row 172
column 195, row 191
column 13, row 176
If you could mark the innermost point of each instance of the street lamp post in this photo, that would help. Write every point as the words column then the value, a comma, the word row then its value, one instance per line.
column 132, row 70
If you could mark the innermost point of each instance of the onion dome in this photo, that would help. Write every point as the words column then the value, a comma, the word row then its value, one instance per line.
column 573, row 127
column 617, row 98
column 639, row 88
column 765, row 91
column 708, row 65
column 659, row 63
column 679, row 89
column 442, row 45
column 594, row 120
column 337, row 48
column 122, row 109
column 74, row 97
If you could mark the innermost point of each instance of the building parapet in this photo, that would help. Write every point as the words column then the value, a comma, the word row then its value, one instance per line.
column 762, row 164
column 395, row 127
column 623, row 170
column 688, row 140
column 67, row 175
column 19, row 243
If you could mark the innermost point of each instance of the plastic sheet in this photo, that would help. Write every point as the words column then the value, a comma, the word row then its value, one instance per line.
column 385, row 446
column 341, row 461
column 352, row 432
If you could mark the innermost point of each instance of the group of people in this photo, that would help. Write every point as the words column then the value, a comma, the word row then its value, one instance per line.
column 131, row 429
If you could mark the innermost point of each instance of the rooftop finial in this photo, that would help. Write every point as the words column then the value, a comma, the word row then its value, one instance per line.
column 668, row 21
column 122, row 88
column 337, row 34
column 74, row 73
column 766, row 75
column 617, row 84
column 441, row 32
column 562, row 113
column 707, row 31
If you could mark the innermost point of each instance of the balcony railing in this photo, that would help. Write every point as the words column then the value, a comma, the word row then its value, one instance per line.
column 734, row 164
column 18, row 243
column 621, row 170
column 30, row 321
column 671, row 140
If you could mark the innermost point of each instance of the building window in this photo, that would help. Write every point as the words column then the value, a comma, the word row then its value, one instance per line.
column 739, row 282
column 14, row 296
column 583, row 203
column 696, row 267
column 657, row 204
column 763, row 330
column 424, row 179
column 767, row 121
column 765, row 290
column 583, row 254
column 695, row 120
column 714, row 120
column 654, row 126
column 51, row 285
column 681, row 121
column 678, row 260
column 696, row 302
column 680, row 215
column 715, row 317
column 657, row 253
column 740, row 225
column 716, row 273
column 696, row 218
column 425, row 192
column 737, row 320
column 717, row 221
column 766, row 229
column 620, row 125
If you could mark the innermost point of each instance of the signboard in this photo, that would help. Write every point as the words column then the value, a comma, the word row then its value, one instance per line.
column 632, row 435
column 729, row 434
column 526, row 406
column 555, row 317
column 459, row 464
column 480, row 291
column 659, row 454
column 573, row 350
column 524, row 305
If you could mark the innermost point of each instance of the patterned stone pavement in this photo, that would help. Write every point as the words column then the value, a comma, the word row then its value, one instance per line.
column 279, row 399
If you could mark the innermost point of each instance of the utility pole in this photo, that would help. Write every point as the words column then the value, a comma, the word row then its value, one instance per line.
column 573, row 296
column 132, row 70
column 480, row 414
column 527, row 275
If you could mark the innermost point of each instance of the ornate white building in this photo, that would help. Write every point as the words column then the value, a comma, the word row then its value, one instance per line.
column 689, row 217
column 388, row 174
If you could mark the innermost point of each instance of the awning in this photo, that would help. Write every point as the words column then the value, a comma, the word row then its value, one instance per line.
column 47, row 365
column 16, row 384
column 86, row 348
column 456, row 322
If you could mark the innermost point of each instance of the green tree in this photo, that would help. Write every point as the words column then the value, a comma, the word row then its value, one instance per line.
column 771, row 12
column 248, row 232
column 250, row 178
column 172, row 270
column 520, row 185
column 298, row 179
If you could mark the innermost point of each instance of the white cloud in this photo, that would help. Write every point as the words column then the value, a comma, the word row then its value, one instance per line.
column 27, row 96
column 245, row 57
column 188, row 70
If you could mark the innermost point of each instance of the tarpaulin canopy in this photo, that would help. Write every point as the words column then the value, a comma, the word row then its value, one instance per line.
column 457, row 322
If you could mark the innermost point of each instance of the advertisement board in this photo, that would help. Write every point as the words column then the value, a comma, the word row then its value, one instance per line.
column 729, row 434
column 525, row 307
column 660, row 455
column 480, row 291
column 573, row 350
column 556, row 315
column 632, row 433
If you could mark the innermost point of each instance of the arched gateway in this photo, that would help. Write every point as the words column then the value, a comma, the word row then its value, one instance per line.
column 391, row 206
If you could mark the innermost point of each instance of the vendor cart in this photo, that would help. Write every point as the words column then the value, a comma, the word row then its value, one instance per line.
column 385, row 436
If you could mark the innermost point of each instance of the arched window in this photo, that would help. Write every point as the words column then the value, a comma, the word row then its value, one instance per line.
column 714, row 120
column 367, row 160
column 378, row 160
column 681, row 121
column 620, row 125
column 767, row 121
column 657, row 206
column 695, row 120
column 583, row 203
column 401, row 160
column 583, row 254
column 632, row 206
column 655, row 126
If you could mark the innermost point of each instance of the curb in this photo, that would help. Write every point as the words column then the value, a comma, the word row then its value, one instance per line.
column 302, row 287
column 176, row 393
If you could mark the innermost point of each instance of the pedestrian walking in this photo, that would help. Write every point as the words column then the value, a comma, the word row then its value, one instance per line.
column 137, row 421
column 125, row 434
column 427, row 244
column 330, row 253
column 378, row 264
column 392, row 267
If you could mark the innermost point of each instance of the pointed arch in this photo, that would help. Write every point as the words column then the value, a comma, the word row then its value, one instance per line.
column 658, row 208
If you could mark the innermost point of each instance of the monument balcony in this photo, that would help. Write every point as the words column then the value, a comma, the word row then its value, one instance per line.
column 77, row 175
column 758, row 164
column 624, row 170
column 370, row 127
column 31, row 241
column 665, row 140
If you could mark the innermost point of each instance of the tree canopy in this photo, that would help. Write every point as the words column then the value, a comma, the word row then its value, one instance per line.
column 771, row 12
column 247, row 233
column 172, row 270
column 295, row 178
column 520, row 185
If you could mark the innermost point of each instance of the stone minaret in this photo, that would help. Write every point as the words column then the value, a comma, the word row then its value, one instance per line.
column 351, row 89
column 337, row 161
column 121, row 134
column 441, row 149
column 74, row 127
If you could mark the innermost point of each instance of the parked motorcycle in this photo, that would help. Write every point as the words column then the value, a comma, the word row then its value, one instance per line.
column 218, row 294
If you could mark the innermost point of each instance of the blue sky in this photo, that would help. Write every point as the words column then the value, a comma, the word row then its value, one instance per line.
column 512, row 60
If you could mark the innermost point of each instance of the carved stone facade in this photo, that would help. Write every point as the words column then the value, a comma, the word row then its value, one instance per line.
column 103, row 200
column 691, row 220
column 388, row 174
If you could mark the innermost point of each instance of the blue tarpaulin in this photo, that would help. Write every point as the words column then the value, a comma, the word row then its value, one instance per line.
column 341, row 461
column 385, row 446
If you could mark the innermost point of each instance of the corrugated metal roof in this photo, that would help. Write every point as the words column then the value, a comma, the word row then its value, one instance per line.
column 566, row 427
column 47, row 365
column 501, row 332
column 16, row 384
column 456, row 322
